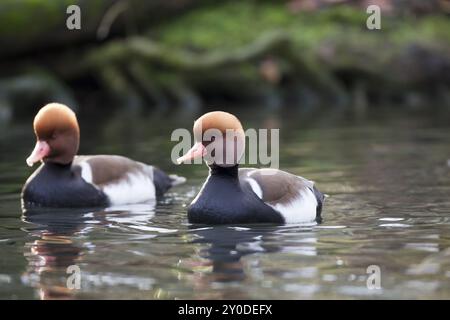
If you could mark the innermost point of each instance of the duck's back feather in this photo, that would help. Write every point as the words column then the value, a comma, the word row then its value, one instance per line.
column 122, row 179
column 294, row 197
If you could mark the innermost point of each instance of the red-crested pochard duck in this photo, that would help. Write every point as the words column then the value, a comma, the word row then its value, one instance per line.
column 67, row 180
column 232, row 195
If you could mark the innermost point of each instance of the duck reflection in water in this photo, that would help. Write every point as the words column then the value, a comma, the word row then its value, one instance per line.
column 222, row 249
column 59, row 244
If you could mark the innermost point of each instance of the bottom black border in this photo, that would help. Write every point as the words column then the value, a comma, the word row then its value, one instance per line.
column 224, row 309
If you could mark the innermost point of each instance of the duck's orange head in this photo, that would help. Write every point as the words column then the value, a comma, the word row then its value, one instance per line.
column 57, row 133
column 219, row 138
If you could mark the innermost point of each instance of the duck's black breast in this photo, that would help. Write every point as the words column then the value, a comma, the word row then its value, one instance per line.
column 222, row 200
column 54, row 185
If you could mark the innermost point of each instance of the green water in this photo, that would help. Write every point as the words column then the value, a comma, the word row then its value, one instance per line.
column 386, row 174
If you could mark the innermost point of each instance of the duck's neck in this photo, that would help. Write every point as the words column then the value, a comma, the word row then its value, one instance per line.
column 221, row 181
column 231, row 172
column 58, row 167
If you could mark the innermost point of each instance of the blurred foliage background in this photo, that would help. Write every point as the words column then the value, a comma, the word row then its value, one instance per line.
column 187, row 53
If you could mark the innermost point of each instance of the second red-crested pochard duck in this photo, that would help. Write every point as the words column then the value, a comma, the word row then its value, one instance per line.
column 67, row 180
column 231, row 195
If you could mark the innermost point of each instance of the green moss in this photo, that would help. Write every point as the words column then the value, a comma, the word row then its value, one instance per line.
column 233, row 24
column 315, row 46
column 28, row 18
column 430, row 29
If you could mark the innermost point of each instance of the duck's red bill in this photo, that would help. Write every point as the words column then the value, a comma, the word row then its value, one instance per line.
column 197, row 151
column 41, row 150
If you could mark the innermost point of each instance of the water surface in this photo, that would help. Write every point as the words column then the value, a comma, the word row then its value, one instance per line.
column 386, row 173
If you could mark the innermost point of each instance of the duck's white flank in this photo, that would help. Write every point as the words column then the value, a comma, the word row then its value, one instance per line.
column 299, row 210
column 134, row 187
column 86, row 172
column 255, row 187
